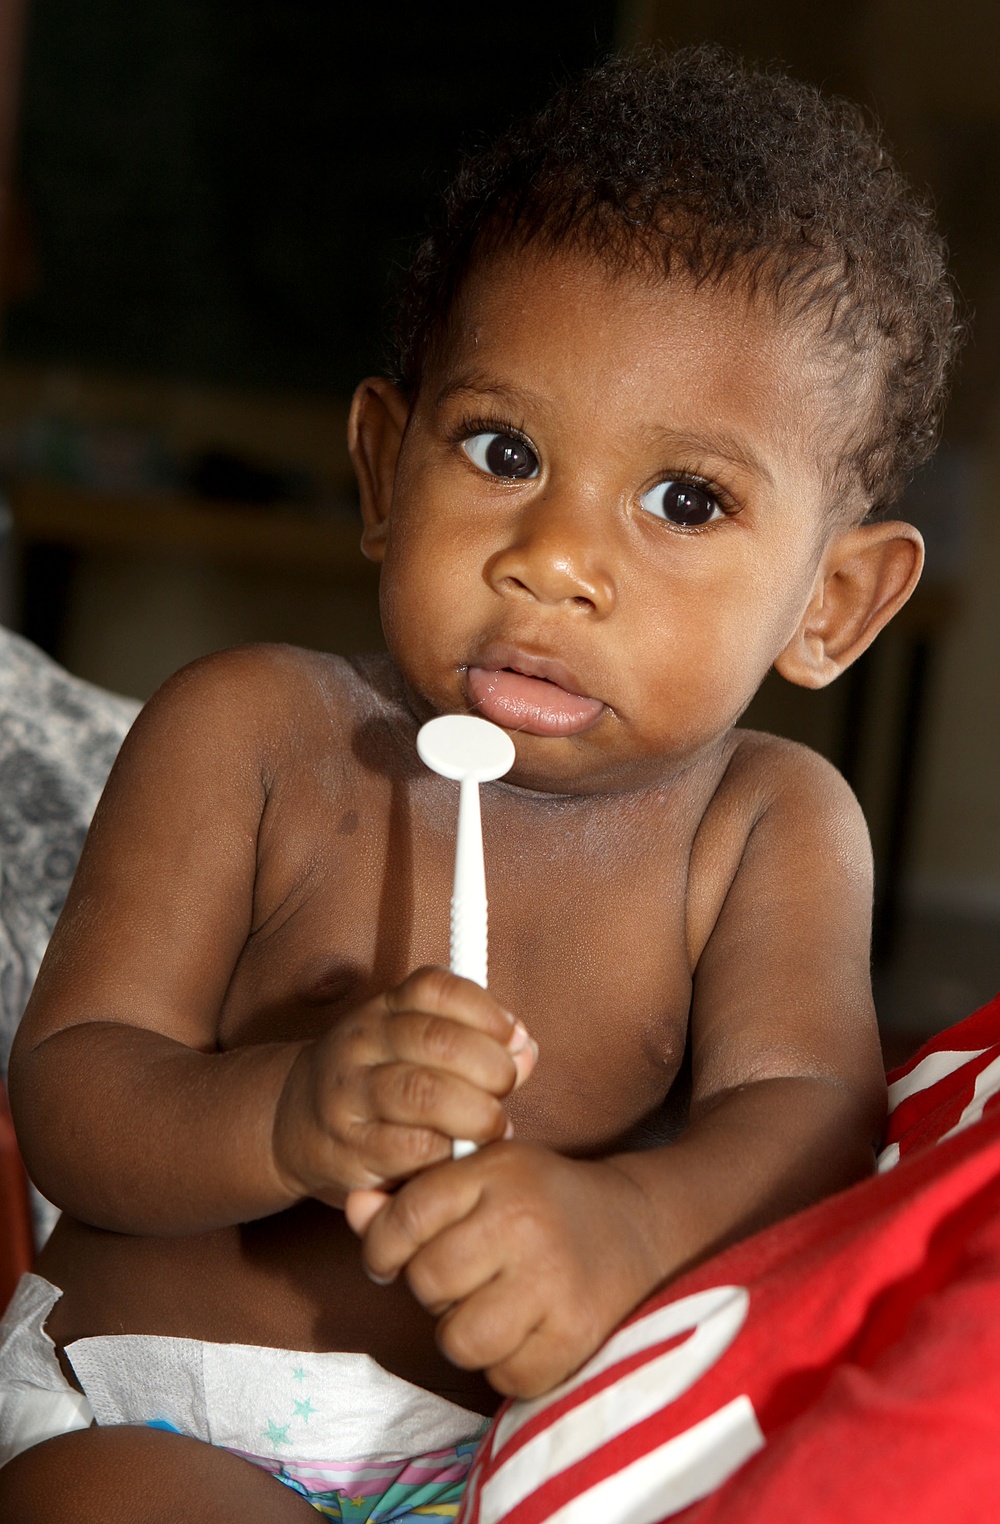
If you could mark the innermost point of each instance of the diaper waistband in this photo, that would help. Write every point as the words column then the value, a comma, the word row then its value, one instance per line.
column 287, row 1404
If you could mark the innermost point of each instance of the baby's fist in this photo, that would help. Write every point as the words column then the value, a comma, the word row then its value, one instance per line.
column 527, row 1259
column 386, row 1090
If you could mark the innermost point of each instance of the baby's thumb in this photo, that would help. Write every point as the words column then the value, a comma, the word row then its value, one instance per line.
column 362, row 1207
column 524, row 1051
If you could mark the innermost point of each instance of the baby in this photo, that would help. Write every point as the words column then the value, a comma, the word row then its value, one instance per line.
column 672, row 350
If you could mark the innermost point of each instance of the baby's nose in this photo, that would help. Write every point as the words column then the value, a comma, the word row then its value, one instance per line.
column 557, row 553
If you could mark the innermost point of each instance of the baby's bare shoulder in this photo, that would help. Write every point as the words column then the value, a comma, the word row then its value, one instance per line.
column 259, row 698
column 777, row 801
column 237, row 726
column 266, row 678
column 766, row 778
column 767, row 772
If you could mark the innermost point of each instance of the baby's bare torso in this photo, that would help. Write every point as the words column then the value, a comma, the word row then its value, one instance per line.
column 595, row 915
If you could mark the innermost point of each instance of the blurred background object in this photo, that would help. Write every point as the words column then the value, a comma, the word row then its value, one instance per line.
column 202, row 210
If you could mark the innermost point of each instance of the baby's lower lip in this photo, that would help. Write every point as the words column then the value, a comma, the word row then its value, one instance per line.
column 530, row 704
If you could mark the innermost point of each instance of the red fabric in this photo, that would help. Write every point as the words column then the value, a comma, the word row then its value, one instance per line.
column 15, row 1217
column 856, row 1356
column 928, row 1114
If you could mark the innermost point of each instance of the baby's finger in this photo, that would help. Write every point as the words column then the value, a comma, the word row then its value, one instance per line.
column 539, row 1363
column 387, row 1151
column 418, row 1211
column 362, row 1207
column 437, row 992
column 489, row 1328
column 471, row 1252
column 442, row 1043
column 409, row 1095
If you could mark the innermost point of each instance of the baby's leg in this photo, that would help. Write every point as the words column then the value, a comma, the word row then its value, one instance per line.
column 122, row 1475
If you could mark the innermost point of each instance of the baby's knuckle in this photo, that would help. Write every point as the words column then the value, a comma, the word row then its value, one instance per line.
column 335, row 1112
column 519, row 1220
column 407, row 1217
column 419, row 1090
column 573, row 1340
column 473, row 1338
column 507, row 1378
column 359, row 1168
column 339, row 1072
column 424, row 1283
column 459, row 1344
column 409, row 1149
column 536, row 1368
column 500, row 1381
column 430, row 987
column 425, row 1146
column 347, row 1039
column 442, row 1040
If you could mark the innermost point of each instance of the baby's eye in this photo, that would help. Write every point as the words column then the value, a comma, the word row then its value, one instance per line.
column 501, row 455
column 681, row 503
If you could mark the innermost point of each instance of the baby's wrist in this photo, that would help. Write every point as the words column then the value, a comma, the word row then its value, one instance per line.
column 288, row 1153
column 652, row 1228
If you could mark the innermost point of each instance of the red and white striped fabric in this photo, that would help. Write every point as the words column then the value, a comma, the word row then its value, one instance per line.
column 842, row 1366
column 952, row 1082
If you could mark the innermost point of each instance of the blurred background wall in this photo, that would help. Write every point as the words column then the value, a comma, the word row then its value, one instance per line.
column 204, row 203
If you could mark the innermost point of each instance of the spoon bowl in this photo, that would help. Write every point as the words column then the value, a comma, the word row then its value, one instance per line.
column 461, row 746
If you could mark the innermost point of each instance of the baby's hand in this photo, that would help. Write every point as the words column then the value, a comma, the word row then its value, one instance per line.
column 383, row 1094
column 527, row 1259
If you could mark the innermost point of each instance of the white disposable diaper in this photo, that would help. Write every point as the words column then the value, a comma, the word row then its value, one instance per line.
column 262, row 1402
column 36, row 1400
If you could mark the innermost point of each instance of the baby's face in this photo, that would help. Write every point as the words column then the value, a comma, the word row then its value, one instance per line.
column 608, row 513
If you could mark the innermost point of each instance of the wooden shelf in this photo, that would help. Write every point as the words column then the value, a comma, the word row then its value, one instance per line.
column 48, row 514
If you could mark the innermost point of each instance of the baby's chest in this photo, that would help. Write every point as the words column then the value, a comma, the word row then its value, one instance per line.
column 600, row 976
column 590, row 954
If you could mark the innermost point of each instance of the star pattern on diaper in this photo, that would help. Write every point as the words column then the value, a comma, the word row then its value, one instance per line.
column 277, row 1433
column 298, row 1374
column 303, row 1409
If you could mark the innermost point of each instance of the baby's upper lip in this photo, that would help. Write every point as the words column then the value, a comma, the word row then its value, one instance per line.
column 549, row 668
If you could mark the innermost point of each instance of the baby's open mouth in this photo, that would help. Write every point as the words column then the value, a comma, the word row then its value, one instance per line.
column 533, row 704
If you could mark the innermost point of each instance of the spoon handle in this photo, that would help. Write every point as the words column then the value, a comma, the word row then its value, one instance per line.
column 468, row 908
column 468, row 896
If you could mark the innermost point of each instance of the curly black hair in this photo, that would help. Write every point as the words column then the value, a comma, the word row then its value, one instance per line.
column 704, row 165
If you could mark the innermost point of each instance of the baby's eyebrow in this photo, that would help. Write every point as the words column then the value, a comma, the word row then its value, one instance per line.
column 485, row 386
column 716, row 442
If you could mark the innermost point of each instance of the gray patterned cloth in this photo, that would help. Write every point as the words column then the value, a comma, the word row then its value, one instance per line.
column 58, row 739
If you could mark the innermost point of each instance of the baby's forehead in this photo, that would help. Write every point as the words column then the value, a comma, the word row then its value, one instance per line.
column 560, row 323
column 554, row 286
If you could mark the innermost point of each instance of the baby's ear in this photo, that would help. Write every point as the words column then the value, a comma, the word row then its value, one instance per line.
column 866, row 575
column 375, row 431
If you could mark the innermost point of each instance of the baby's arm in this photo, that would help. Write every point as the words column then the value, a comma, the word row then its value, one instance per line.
column 530, row 1259
column 129, row 1115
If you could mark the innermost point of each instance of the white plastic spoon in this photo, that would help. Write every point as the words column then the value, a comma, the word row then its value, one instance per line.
column 470, row 751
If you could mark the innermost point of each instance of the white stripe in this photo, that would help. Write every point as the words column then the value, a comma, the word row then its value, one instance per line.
column 671, row 1478
column 715, row 1316
column 987, row 1086
column 936, row 1066
column 664, row 1323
